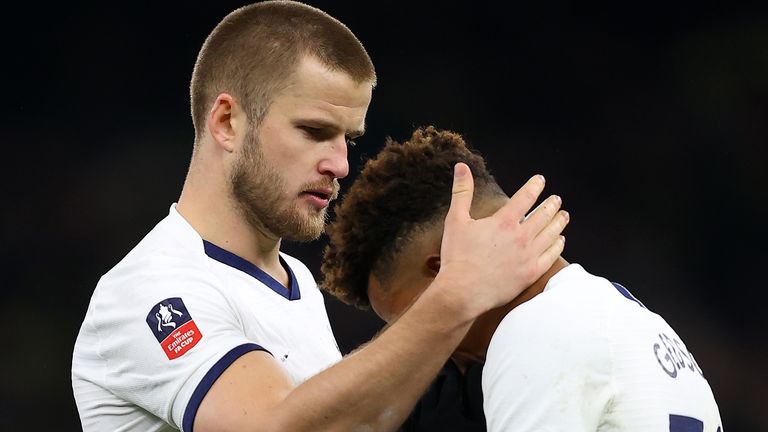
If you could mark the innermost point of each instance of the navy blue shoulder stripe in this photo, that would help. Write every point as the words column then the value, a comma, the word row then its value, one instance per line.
column 228, row 258
column 625, row 292
column 207, row 382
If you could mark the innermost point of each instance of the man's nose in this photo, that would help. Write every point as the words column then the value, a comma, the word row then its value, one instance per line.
column 334, row 162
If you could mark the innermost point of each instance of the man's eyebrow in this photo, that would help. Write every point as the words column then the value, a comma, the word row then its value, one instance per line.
column 325, row 124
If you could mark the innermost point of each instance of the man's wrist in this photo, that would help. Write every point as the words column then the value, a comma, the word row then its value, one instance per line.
column 453, row 296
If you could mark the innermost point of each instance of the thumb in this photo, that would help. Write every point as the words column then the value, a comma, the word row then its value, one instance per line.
column 461, row 195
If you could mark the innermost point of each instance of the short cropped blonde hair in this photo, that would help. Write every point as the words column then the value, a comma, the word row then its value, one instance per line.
column 254, row 50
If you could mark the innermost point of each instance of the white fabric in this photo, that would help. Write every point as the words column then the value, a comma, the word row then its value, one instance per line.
column 121, row 376
column 581, row 356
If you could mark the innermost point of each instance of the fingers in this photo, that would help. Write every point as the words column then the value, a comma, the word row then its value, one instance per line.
column 461, row 195
column 550, row 234
column 522, row 201
column 542, row 215
column 550, row 255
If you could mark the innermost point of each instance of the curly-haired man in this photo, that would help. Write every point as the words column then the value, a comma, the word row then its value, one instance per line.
column 574, row 352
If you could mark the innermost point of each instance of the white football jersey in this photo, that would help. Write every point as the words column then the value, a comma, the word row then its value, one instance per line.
column 166, row 322
column 585, row 355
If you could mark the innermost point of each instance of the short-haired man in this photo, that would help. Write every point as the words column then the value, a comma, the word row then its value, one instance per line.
column 574, row 352
column 206, row 325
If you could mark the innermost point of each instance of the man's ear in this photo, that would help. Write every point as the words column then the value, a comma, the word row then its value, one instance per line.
column 433, row 264
column 220, row 122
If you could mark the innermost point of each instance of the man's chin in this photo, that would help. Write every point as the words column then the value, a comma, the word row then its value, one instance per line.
column 311, row 228
column 304, row 236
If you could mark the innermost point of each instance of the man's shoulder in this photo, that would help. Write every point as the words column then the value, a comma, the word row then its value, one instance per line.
column 166, row 257
column 570, row 315
column 572, row 293
column 171, row 241
column 578, row 313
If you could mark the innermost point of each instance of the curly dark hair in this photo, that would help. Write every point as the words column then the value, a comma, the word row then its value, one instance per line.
column 405, row 186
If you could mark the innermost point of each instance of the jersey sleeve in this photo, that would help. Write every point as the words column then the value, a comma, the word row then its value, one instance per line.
column 547, row 369
column 165, row 336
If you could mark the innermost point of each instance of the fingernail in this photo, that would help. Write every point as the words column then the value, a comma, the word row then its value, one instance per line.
column 562, row 238
column 459, row 170
column 558, row 199
column 541, row 178
column 566, row 215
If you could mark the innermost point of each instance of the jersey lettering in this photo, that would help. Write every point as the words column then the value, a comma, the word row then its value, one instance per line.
column 676, row 357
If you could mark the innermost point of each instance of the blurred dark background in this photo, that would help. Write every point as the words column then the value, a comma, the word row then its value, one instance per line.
column 649, row 118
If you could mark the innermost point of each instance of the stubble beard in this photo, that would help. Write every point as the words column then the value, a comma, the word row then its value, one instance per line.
column 261, row 197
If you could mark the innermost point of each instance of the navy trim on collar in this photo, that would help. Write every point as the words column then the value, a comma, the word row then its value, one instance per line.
column 226, row 257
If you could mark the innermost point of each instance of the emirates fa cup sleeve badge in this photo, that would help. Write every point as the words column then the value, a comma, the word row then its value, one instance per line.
column 173, row 327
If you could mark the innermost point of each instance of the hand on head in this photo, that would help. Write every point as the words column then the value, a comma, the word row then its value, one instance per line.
column 490, row 261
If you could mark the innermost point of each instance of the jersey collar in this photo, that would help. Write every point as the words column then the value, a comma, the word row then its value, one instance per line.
column 228, row 258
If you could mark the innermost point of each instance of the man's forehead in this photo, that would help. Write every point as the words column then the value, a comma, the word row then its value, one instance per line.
column 312, row 83
column 311, row 76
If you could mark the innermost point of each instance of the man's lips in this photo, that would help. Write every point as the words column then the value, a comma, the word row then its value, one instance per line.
column 320, row 197
column 326, row 193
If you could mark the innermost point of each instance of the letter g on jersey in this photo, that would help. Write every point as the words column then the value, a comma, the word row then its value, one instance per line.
column 173, row 327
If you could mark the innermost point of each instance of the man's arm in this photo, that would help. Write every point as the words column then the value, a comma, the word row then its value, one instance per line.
column 485, row 263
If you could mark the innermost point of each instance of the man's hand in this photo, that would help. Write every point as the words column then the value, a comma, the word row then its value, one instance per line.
column 486, row 263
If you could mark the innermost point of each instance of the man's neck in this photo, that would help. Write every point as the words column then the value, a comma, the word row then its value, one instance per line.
column 475, row 344
column 210, row 210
